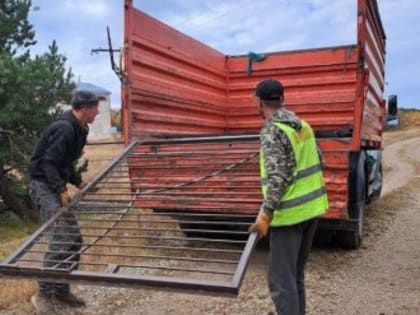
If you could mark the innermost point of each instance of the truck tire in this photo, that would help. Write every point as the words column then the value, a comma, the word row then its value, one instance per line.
column 323, row 238
column 351, row 239
column 377, row 193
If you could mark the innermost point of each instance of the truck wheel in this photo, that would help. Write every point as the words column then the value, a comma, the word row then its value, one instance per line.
column 377, row 193
column 352, row 239
column 323, row 238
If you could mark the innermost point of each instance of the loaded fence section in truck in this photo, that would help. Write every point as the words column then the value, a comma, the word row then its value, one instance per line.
column 174, row 208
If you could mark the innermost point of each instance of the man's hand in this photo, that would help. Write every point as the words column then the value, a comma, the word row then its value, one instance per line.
column 261, row 225
column 65, row 198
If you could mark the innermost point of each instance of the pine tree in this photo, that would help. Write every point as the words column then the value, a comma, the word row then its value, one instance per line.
column 30, row 88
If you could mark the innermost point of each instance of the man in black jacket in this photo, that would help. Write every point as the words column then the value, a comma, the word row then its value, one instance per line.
column 51, row 169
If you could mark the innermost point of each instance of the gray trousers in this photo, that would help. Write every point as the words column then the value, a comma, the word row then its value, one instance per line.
column 289, row 250
column 63, row 236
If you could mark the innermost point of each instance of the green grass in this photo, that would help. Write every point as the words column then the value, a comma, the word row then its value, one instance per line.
column 12, row 232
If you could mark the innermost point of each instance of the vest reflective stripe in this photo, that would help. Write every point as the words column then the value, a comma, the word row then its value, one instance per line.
column 303, row 199
column 305, row 196
column 309, row 171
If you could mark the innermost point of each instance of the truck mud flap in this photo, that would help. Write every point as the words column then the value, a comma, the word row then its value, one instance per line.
column 167, row 214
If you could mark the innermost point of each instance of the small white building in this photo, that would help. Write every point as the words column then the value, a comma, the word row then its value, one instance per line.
column 101, row 128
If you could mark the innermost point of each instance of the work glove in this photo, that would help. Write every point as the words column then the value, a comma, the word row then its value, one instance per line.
column 64, row 198
column 261, row 225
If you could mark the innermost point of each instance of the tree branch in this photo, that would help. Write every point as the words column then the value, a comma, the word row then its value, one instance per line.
column 7, row 132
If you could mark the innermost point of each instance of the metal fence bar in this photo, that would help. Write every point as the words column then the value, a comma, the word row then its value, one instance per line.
column 192, row 214
column 205, row 231
column 182, row 248
column 190, row 239
column 165, row 221
column 103, row 254
column 179, row 284
column 212, row 271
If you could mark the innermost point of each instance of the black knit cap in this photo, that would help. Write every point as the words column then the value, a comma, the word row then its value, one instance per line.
column 83, row 98
column 269, row 90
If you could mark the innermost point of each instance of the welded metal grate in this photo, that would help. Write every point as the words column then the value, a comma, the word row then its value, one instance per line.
column 168, row 213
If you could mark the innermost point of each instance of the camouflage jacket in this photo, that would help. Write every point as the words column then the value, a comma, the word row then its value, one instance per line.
column 279, row 158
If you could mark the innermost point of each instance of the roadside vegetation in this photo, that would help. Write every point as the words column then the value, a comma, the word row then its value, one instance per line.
column 30, row 88
column 409, row 118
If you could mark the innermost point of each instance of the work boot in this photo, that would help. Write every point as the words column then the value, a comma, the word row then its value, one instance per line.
column 71, row 300
column 43, row 304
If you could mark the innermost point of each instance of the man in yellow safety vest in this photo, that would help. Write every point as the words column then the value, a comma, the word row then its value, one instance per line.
column 294, row 196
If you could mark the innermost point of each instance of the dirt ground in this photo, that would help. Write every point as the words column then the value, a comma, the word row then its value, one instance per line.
column 382, row 277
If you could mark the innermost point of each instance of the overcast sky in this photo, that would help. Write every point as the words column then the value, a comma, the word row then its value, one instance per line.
column 232, row 27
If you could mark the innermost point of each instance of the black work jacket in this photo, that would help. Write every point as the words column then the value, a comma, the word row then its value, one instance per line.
column 59, row 147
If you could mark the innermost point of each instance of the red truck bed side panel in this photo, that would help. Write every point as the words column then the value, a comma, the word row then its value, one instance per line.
column 174, row 84
column 320, row 87
column 372, row 49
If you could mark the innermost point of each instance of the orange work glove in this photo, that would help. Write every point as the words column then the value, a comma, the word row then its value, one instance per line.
column 64, row 198
column 261, row 225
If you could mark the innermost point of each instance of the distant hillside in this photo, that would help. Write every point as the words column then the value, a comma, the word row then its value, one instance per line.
column 409, row 117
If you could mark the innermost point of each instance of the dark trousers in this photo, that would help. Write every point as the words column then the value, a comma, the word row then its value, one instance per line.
column 64, row 237
column 289, row 250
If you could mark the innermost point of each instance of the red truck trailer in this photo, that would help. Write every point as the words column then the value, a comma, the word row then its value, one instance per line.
column 175, row 86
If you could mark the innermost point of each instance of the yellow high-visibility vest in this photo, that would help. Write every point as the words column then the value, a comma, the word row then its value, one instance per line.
column 305, row 197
